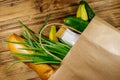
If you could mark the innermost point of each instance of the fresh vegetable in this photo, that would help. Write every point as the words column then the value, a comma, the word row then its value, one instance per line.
column 44, row 55
column 78, row 14
column 76, row 23
column 83, row 16
column 39, row 53
column 81, row 12
column 90, row 12
column 43, row 70
column 52, row 34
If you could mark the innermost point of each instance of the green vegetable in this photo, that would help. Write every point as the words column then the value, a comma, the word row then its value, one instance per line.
column 76, row 23
column 90, row 12
column 57, row 50
column 44, row 50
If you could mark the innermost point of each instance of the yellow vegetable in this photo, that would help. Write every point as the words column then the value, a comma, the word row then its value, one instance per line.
column 82, row 13
column 78, row 14
column 52, row 34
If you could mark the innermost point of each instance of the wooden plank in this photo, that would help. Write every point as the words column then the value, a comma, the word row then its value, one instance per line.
column 16, row 10
column 33, row 19
column 97, row 8
column 108, row 10
column 17, row 71
column 67, row 11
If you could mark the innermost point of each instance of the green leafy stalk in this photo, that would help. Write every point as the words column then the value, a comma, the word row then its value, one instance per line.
column 38, row 58
column 18, row 61
column 15, row 42
column 40, row 32
column 28, row 31
column 47, row 18
column 44, row 50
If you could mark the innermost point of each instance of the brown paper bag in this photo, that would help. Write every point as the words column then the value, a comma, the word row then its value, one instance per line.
column 95, row 56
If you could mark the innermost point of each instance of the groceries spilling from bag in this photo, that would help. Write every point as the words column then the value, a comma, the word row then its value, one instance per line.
column 44, row 54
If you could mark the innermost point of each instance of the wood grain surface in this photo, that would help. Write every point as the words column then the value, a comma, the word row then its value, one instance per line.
column 33, row 13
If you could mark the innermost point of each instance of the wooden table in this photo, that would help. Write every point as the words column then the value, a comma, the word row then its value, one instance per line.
column 33, row 13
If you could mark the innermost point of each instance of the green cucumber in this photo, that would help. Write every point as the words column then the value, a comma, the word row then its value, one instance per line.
column 76, row 23
column 90, row 12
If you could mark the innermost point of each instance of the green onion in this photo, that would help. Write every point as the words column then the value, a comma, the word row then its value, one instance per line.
column 44, row 50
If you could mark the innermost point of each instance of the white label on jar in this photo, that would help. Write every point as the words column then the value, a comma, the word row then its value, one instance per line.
column 70, row 36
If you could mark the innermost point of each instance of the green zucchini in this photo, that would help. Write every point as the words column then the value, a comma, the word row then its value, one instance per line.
column 90, row 12
column 76, row 23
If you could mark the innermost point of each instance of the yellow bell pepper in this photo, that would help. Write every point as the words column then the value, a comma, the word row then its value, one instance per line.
column 52, row 34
